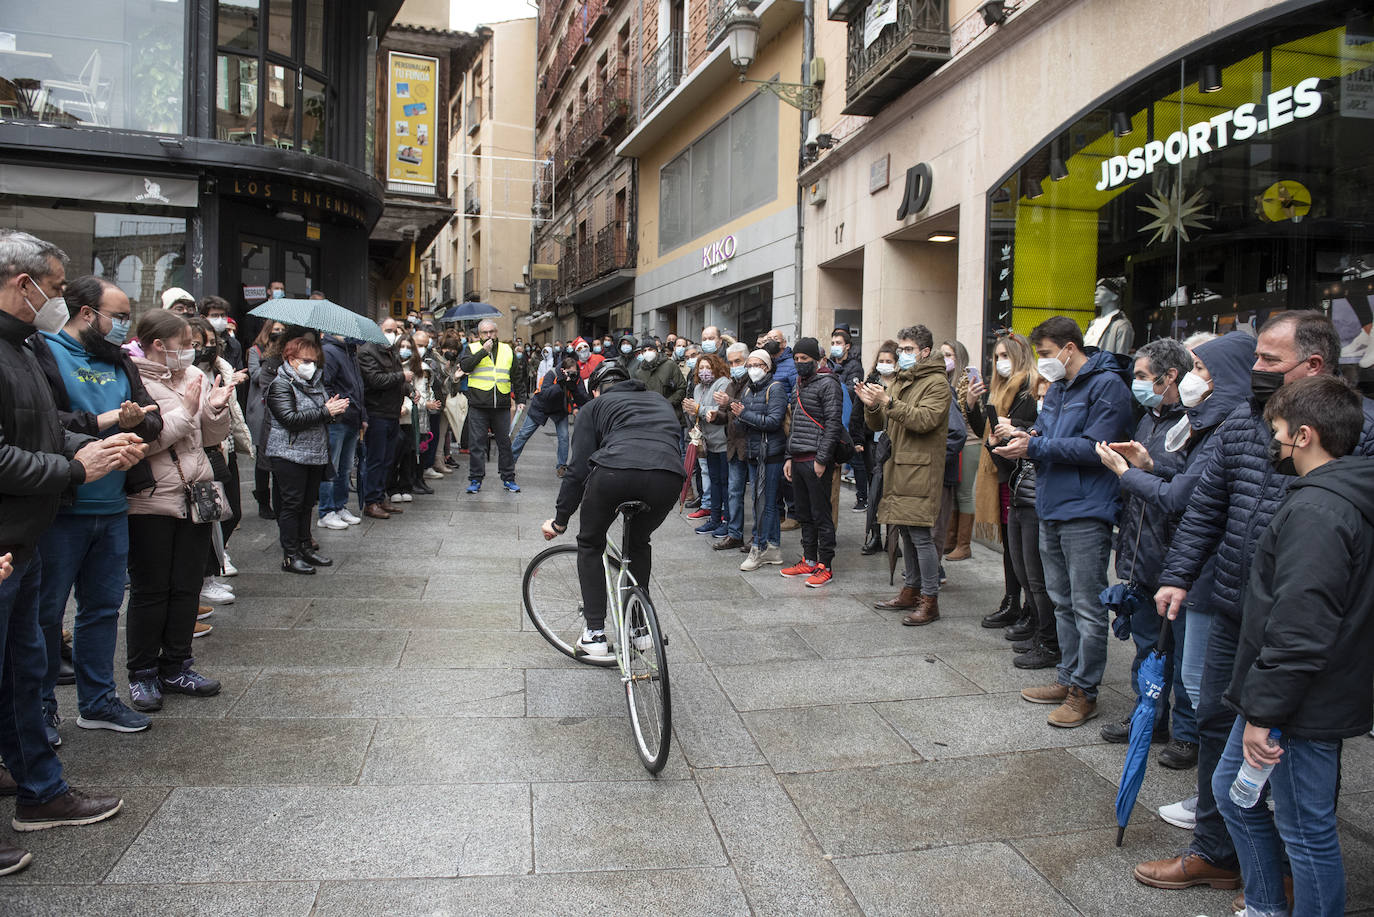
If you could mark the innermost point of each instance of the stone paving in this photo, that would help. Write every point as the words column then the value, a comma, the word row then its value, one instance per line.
column 394, row 738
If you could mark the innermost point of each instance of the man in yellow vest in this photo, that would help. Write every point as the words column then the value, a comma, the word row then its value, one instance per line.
column 488, row 363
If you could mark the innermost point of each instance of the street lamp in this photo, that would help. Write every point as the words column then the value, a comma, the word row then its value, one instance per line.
column 742, row 36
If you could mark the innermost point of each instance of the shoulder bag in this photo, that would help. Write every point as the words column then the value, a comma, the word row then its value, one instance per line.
column 205, row 500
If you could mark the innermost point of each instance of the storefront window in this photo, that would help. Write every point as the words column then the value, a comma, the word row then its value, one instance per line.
column 1233, row 184
column 281, row 63
column 116, row 64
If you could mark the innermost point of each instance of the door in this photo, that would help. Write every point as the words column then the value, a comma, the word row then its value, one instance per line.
column 262, row 261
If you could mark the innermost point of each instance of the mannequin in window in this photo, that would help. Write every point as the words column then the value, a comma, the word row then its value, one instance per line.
column 1111, row 330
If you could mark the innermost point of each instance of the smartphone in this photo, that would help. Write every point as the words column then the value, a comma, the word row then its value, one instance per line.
column 974, row 375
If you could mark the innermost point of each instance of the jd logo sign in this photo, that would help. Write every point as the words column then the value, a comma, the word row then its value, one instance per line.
column 917, row 193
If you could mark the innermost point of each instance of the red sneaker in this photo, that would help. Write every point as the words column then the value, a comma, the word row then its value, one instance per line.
column 699, row 514
column 822, row 576
column 802, row 567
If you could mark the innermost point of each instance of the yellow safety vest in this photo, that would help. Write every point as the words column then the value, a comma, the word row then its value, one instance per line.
column 489, row 373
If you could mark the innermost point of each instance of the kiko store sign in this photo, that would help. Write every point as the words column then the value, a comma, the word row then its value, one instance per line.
column 1281, row 107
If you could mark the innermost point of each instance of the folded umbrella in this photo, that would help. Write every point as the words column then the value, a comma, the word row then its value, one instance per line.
column 1125, row 599
column 689, row 463
column 1150, row 680
column 321, row 315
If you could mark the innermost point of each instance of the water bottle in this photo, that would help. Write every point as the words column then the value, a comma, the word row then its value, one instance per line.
column 1245, row 789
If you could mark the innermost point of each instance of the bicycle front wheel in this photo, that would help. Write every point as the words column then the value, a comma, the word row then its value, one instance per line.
column 646, row 681
column 553, row 601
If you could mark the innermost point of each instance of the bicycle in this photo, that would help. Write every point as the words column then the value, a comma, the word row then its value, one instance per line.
column 635, row 638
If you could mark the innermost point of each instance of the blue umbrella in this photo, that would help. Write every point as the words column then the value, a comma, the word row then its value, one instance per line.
column 1150, row 680
column 1125, row 599
column 469, row 311
column 321, row 315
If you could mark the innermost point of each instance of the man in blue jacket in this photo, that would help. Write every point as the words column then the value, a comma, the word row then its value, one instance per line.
column 342, row 379
column 1077, row 500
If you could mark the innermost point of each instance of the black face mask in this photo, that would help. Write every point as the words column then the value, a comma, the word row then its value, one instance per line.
column 805, row 370
column 1282, row 464
column 772, row 348
column 274, row 336
column 1263, row 384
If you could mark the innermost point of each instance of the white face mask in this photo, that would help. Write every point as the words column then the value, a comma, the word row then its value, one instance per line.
column 649, row 356
column 886, row 369
column 1004, row 368
column 306, row 370
column 422, row 351
column 391, row 336
column 1051, row 368
column 1192, row 388
column 50, row 316
column 177, row 360
column 219, row 323
column 756, row 374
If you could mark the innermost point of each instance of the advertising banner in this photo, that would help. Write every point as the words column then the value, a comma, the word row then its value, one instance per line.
column 412, row 124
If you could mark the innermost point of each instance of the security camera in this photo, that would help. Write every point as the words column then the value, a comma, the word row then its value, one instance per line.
column 813, row 135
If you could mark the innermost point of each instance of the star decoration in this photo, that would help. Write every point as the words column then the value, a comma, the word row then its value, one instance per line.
column 1174, row 214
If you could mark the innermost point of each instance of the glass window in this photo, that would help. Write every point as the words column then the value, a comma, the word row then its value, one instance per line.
column 674, row 213
column 754, row 153
column 239, row 22
column 236, row 98
column 279, row 28
column 313, row 112
column 314, row 34
column 279, row 110
column 117, row 64
column 711, row 180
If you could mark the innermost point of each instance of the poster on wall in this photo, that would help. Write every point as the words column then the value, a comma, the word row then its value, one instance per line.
column 413, row 85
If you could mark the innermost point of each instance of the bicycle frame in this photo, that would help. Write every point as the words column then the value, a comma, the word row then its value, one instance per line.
column 619, row 580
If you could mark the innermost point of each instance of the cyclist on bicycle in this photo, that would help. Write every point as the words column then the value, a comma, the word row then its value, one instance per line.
column 625, row 447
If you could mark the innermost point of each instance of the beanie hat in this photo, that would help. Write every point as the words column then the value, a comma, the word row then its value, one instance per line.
column 762, row 355
column 173, row 295
column 808, row 346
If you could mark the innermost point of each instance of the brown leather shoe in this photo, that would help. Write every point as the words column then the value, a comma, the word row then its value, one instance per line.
column 1076, row 710
column 392, row 508
column 71, row 808
column 927, row 611
column 7, row 785
column 789, row 524
column 375, row 511
column 1185, row 872
column 1046, row 694
column 905, row 599
column 1238, row 902
column 13, row 859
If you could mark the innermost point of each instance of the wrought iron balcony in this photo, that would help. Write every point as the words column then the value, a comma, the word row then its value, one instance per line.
column 472, row 199
column 470, row 284
column 615, row 248
column 717, row 11
column 663, row 71
column 616, row 98
column 881, row 67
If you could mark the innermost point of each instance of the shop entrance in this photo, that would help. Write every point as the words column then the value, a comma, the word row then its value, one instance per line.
column 260, row 261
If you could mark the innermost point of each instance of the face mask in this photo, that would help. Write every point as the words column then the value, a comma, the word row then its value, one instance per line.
column 836, row 351
column 1282, row 464
column 583, row 355
column 1051, row 368
column 1144, row 391
column 772, row 348
column 206, row 354
column 708, row 346
column 306, row 370
column 607, row 346
column 886, row 369
column 278, row 294
column 119, row 331
column 737, row 372
column 1192, row 388
column 178, row 360
column 567, row 348
column 405, row 353
column 949, row 364
column 691, row 364
column 1263, row 384
column 219, row 324
column 756, row 374
column 806, row 369
column 625, row 348
column 1004, row 368
column 906, row 360
column 706, row 377
column 422, row 351
column 679, row 352
column 649, row 356
column 50, row 316
column 596, row 349
column 391, row 336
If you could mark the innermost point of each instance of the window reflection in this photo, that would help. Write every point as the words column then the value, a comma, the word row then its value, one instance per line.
column 313, row 111
column 279, row 113
column 236, row 99
column 279, row 28
column 239, row 21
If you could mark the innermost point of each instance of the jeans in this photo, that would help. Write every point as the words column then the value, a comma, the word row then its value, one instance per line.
column 560, row 426
column 23, row 743
column 859, row 464
column 1075, row 555
column 737, row 475
column 717, row 469
column 922, row 559
column 233, row 493
column 379, row 446
column 1023, row 546
column 704, row 477
column 1303, row 786
column 343, row 445
column 1194, row 649
column 166, row 569
column 497, row 421
column 767, row 526
column 1211, row 840
column 812, row 494
column 92, row 553
column 298, row 485
column 1145, row 627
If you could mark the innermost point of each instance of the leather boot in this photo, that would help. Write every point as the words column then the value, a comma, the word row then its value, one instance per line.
column 952, row 538
column 291, row 562
column 1023, row 628
column 1006, row 614
column 963, row 538
column 905, row 599
column 313, row 557
column 873, row 544
column 927, row 611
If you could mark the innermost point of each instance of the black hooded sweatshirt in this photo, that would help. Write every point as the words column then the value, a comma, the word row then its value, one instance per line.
column 1305, row 662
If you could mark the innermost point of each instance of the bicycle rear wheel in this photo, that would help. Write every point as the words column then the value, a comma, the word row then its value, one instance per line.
column 553, row 601
column 646, row 685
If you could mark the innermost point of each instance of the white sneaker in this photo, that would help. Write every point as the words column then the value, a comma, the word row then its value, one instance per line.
column 220, row 583
column 348, row 517
column 593, row 643
column 753, row 561
column 213, row 593
column 771, row 555
column 229, row 568
column 432, row 475
column 1182, row 814
column 332, row 521
column 402, row 498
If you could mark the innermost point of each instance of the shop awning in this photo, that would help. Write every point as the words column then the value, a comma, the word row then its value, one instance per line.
column 122, row 188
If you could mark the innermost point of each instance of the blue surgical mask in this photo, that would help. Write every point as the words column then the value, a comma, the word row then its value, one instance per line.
column 278, row 294
column 906, row 360
column 836, row 351
column 678, row 352
column 596, row 349
column 1144, row 391
column 708, row 346
column 119, row 331
column 691, row 364
column 737, row 372
column 404, row 353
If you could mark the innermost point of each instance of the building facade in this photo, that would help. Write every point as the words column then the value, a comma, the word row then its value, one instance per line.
column 1197, row 174
column 215, row 146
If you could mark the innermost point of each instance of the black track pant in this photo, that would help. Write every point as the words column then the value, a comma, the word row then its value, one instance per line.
column 606, row 489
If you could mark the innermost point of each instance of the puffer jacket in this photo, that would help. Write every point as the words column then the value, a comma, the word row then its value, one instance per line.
column 817, row 416
column 240, row 439
column 1145, row 530
column 187, row 433
column 917, row 422
column 300, row 422
column 765, row 410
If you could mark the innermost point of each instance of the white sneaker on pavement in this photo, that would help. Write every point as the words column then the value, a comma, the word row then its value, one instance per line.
column 432, row 475
column 1181, row 814
column 771, row 555
column 347, row 516
column 229, row 568
column 213, row 593
column 402, row 498
column 593, row 643
column 332, row 521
